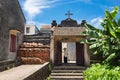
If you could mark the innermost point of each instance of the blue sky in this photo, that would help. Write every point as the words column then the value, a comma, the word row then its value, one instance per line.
column 41, row 12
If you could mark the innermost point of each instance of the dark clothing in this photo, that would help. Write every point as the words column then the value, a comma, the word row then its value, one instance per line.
column 65, row 59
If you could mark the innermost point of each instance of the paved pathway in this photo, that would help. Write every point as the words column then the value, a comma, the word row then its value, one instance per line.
column 20, row 72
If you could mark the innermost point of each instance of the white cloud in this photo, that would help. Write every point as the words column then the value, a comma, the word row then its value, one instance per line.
column 84, row 0
column 64, row 2
column 34, row 7
column 96, row 22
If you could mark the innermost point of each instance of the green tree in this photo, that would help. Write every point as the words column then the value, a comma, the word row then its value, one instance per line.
column 106, row 41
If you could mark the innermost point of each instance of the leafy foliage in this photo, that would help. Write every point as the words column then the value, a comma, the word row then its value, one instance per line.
column 102, row 72
column 106, row 41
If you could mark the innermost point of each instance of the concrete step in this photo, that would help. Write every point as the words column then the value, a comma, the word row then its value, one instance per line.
column 67, row 77
column 67, row 71
column 66, row 74
column 35, row 36
column 69, row 68
column 38, row 40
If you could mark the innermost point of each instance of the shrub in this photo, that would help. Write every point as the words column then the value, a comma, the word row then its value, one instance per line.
column 102, row 72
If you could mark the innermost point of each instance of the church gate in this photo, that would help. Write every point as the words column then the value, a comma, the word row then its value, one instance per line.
column 69, row 34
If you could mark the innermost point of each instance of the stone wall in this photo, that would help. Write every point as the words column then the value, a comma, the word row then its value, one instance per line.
column 6, row 64
column 27, row 72
column 41, row 74
column 11, row 18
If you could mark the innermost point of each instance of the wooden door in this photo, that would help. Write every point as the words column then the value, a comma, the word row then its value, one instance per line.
column 58, row 60
column 79, row 54
column 13, row 43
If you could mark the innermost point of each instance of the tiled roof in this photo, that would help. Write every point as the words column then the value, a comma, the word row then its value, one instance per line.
column 46, row 26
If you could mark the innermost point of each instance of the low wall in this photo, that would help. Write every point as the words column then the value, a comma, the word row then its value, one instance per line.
column 41, row 74
column 6, row 64
column 26, row 72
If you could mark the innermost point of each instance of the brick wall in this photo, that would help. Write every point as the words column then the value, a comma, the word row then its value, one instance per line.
column 34, row 53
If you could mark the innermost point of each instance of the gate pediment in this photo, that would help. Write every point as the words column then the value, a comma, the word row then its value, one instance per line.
column 69, row 31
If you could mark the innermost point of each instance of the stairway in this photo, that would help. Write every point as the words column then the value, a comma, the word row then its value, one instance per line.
column 67, row 73
column 37, row 38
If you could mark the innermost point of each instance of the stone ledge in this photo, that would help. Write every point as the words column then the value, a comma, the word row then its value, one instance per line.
column 26, row 72
column 6, row 64
column 6, row 61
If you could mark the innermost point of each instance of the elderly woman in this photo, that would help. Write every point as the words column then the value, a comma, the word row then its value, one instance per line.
column 65, row 55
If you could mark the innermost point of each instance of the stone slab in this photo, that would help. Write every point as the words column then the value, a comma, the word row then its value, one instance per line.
column 20, row 72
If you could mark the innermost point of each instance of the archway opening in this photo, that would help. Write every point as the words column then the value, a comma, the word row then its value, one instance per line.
column 69, row 52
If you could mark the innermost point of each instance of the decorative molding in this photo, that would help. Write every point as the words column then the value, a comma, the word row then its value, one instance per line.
column 68, row 31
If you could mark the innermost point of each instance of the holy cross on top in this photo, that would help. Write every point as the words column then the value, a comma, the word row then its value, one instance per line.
column 68, row 14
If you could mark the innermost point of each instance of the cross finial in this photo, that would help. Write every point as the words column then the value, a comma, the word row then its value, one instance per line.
column 68, row 14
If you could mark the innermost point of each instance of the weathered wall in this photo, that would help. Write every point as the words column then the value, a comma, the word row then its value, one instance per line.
column 34, row 53
column 11, row 18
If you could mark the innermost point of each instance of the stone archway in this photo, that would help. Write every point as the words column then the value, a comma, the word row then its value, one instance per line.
column 79, row 54
column 71, row 52
column 59, row 36
column 82, row 55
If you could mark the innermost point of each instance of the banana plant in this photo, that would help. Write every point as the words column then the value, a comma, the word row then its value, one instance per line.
column 105, row 41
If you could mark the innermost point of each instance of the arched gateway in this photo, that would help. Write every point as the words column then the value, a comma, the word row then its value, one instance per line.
column 68, row 35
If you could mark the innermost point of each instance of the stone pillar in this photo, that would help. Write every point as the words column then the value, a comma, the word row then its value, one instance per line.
column 86, row 56
column 52, row 50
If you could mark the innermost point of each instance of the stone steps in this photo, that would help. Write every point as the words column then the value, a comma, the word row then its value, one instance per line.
column 70, row 71
column 67, row 78
column 69, row 68
column 37, row 38
column 67, row 73
column 44, row 41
